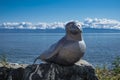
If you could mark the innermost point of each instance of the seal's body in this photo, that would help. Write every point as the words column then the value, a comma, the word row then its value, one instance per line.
column 67, row 50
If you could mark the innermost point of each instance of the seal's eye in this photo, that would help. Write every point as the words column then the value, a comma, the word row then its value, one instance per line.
column 73, row 28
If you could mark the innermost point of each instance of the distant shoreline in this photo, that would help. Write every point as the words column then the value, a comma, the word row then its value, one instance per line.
column 58, row 30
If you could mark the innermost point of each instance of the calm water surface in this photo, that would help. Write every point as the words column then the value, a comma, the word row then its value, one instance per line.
column 102, row 48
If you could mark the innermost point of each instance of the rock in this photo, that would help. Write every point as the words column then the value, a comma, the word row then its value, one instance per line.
column 14, row 65
column 82, row 70
column 16, row 74
column 4, row 72
column 11, row 73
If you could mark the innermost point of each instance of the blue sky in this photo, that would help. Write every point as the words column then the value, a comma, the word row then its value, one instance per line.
column 57, row 10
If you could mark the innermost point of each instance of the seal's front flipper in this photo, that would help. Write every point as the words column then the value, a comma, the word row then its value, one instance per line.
column 35, row 60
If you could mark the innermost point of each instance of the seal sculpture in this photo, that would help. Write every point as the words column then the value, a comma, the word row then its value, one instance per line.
column 67, row 50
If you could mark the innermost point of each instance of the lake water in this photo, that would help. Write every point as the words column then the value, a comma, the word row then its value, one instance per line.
column 102, row 48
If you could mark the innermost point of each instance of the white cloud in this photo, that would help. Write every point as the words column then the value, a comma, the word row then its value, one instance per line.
column 28, row 25
column 102, row 23
column 15, row 25
column 50, row 25
column 88, row 23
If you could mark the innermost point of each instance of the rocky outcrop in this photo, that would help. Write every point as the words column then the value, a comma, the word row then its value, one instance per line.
column 49, row 71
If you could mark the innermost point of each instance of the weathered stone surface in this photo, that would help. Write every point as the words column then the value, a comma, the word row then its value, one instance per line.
column 49, row 71
column 82, row 70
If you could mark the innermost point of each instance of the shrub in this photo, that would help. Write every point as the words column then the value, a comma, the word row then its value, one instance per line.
column 106, row 74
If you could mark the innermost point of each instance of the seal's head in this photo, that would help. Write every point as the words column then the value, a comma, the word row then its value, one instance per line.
column 74, row 30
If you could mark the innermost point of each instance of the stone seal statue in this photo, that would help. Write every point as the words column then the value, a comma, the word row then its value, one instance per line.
column 67, row 50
